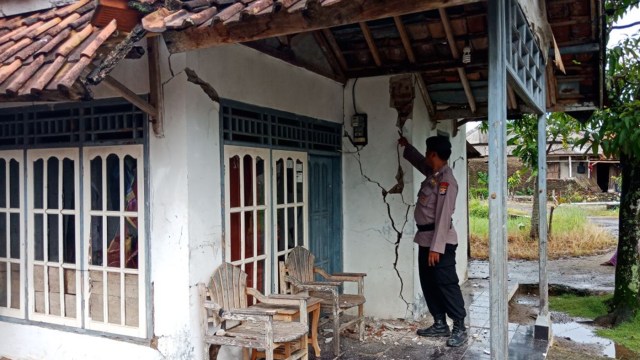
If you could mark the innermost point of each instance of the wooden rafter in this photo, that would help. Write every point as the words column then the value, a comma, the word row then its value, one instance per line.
column 406, row 42
column 456, row 55
column 314, row 15
column 155, row 85
column 329, row 53
column 371, row 43
column 331, row 40
column 132, row 97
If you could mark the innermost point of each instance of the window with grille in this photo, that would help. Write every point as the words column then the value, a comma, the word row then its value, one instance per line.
column 79, row 249
column 248, row 124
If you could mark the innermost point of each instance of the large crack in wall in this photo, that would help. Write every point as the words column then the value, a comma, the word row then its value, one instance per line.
column 399, row 230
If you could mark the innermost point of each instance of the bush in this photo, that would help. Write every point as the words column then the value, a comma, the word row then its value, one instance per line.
column 479, row 193
column 479, row 209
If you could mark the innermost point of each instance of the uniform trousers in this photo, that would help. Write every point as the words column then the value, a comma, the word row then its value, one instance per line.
column 440, row 283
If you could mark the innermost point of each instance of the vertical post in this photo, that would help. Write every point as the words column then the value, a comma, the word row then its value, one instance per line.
column 543, row 322
column 570, row 168
column 498, row 179
column 156, row 95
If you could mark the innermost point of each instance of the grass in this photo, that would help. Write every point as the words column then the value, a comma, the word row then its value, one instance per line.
column 572, row 235
column 588, row 307
column 591, row 307
column 625, row 334
column 601, row 212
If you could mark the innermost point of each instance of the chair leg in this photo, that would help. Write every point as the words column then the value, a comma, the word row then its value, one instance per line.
column 336, row 332
column 305, row 347
column 268, row 352
column 361, row 317
column 245, row 353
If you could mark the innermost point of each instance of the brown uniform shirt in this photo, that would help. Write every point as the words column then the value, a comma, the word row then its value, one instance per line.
column 435, row 204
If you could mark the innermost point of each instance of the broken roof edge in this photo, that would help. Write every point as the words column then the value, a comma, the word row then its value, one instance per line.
column 46, row 53
column 20, row 7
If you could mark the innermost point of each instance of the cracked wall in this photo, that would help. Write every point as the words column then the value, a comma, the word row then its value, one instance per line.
column 371, row 222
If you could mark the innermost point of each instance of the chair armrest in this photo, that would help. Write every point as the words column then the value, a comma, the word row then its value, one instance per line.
column 253, row 314
column 286, row 300
column 359, row 275
column 211, row 305
column 326, row 286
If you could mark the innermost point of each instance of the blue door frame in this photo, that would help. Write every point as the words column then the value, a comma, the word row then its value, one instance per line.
column 325, row 211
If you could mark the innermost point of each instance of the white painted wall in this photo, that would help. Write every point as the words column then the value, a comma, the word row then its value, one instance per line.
column 186, row 229
column 367, row 226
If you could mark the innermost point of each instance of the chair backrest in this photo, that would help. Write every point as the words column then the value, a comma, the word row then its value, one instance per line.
column 299, row 264
column 228, row 287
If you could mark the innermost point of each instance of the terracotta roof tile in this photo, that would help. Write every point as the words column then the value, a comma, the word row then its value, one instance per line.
column 48, row 50
column 203, row 13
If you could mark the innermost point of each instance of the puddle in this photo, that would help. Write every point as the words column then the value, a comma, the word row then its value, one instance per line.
column 583, row 334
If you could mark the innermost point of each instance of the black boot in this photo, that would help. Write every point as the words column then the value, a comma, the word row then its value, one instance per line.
column 439, row 327
column 458, row 334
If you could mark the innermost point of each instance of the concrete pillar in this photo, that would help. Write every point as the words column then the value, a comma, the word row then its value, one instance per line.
column 498, row 180
column 543, row 322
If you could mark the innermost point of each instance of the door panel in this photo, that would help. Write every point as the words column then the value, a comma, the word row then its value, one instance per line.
column 325, row 212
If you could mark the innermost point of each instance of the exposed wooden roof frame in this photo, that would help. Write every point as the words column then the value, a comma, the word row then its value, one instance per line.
column 371, row 43
column 294, row 20
column 456, row 55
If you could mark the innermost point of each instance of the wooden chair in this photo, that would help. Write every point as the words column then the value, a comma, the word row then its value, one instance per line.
column 299, row 271
column 228, row 321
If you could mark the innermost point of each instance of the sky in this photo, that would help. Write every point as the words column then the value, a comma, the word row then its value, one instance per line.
column 616, row 35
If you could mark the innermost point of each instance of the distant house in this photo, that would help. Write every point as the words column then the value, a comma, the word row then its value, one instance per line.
column 564, row 163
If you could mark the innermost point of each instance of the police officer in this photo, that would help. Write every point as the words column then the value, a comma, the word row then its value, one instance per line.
column 437, row 239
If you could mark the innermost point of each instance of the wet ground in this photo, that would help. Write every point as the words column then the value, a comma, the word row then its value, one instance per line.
column 574, row 339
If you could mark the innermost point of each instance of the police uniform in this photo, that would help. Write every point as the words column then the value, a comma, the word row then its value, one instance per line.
column 433, row 215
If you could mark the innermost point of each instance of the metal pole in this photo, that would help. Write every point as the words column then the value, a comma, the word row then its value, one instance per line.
column 498, row 179
column 543, row 322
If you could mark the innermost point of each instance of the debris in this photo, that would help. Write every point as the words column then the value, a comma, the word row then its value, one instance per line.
column 487, row 352
column 393, row 327
column 328, row 340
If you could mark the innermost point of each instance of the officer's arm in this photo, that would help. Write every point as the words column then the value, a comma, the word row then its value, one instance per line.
column 443, row 220
column 416, row 159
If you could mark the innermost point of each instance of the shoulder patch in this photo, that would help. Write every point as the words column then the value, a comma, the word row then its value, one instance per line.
column 444, row 186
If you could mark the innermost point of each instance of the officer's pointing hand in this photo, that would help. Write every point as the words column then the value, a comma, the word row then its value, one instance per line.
column 434, row 258
column 403, row 141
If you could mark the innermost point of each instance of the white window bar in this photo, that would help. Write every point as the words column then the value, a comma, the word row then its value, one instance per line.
column 116, row 314
column 53, row 310
column 12, row 265
column 297, row 161
column 244, row 210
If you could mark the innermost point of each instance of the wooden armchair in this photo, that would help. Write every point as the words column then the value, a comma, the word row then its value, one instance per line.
column 228, row 321
column 299, row 271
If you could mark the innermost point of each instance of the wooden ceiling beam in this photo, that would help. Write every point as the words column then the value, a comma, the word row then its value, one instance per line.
column 404, row 36
column 371, row 43
column 332, row 58
column 331, row 40
column 313, row 16
column 456, row 55
column 423, row 67
column 425, row 94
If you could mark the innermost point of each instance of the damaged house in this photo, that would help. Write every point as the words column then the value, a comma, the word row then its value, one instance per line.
column 143, row 144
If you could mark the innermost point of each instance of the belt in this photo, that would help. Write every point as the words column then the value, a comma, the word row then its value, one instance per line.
column 430, row 227
column 426, row 227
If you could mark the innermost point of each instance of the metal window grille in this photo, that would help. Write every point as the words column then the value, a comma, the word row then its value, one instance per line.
column 100, row 122
column 525, row 63
column 247, row 124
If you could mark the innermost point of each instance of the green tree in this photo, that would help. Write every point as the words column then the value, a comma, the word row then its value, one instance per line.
column 523, row 137
column 616, row 130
